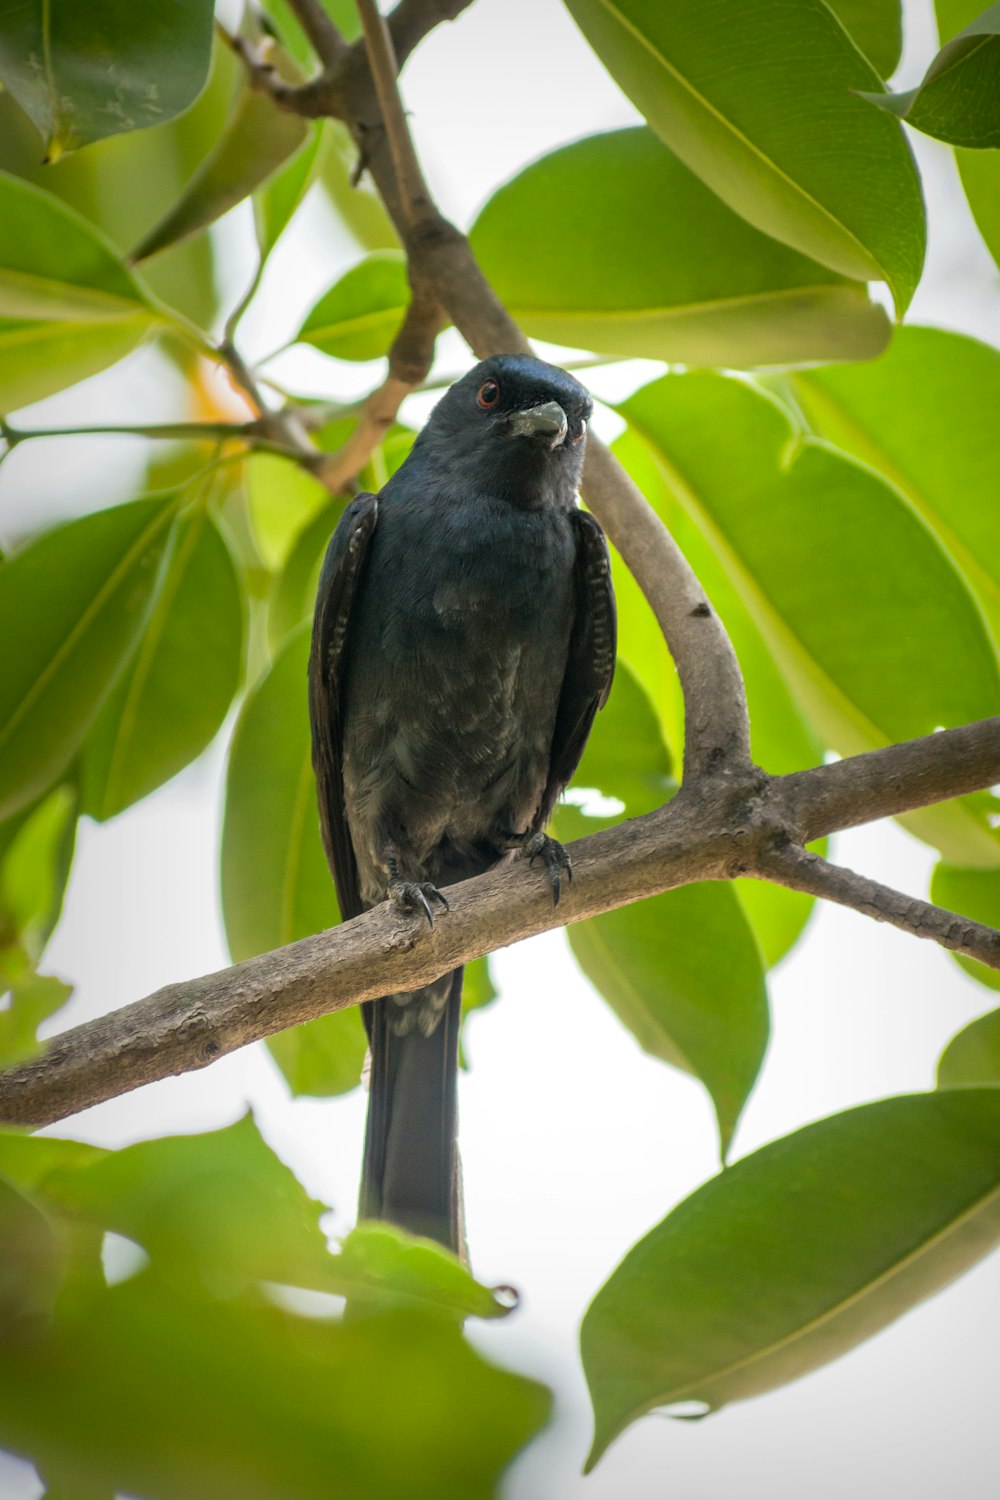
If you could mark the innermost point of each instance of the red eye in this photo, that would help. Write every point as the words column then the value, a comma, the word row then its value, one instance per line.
column 488, row 394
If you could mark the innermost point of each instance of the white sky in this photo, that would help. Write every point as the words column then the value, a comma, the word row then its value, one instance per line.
column 574, row 1142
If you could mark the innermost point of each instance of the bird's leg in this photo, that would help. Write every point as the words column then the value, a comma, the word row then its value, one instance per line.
column 534, row 844
column 409, row 896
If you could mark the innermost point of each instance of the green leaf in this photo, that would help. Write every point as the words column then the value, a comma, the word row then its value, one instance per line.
column 29, row 1263
column 922, row 416
column 959, row 98
column 805, row 535
column 83, row 73
column 76, row 600
column 258, row 138
column 876, row 26
column 34, row 866
column 972, row 1057
column 283, row 500
column 682, row 971
column 175, row 695
column 295, row 592
column 359, row 316
column 786, row 143
column 192, row 1398
column 379, row 1266
column 275, row 882
column 68, row 307
column 980, row 173
column 356, row 204
column 795, row 1255
column 661, row 267
column 276, row 200
column 31, row 998
column 975, row 894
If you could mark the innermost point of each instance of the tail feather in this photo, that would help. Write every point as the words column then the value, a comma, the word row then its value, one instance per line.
column 411, row 1175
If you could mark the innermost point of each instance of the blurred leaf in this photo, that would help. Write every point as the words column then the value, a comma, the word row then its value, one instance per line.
column 959, row 98
column 185, row 1399
column 973, row 1056
column 380, row 1267
column 257, row 140
column 34, row 867
column 275, row 882
column 787, row 144
column 176, row 693
column 76, row 600
column 863, row 610
column 276, row 200
column 30, row 999
column 68, row 307
column 82, row 73
column 660, row 266
column 294, row 595
column 359, row 316
column 975, row 894
column 283, row 500
column 356, row 203
column 682, row 971
column 29, row 1264
column 923, row 416
column 876, row 26
column 796, row 1254
column 980, row 173
column 343, row 13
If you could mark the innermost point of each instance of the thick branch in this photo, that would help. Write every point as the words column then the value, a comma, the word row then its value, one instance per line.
column 715, row 828
column 414, row 197
column 802, row 871
column 894, row 780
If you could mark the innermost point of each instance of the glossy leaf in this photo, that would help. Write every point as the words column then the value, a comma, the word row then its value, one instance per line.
column 276, row 200
column 283, row 500
column 682, row 971
column 876, row 26
column 85, row 72
column 787, row 143
column 359, row 316
column 923, row 416
column 844, row 581
column 972, row 1058
column 76, row 600
column 795, row 1255
column 975, row 894
column 257, row 140
column 980, row 173
column 176, row 693
column 294, row 596
column 959, row 98
column 34, row 865
column 661, row 267
column 275, row 883
column 68, row 307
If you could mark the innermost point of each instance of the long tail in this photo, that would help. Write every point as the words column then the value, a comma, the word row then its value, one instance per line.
column 411, row 1172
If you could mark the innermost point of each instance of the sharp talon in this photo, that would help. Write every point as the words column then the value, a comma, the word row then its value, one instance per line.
column 410, row 897
column 426, row 907
column 436, row 895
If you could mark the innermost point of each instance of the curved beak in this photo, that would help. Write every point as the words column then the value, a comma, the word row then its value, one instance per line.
column 546, row 423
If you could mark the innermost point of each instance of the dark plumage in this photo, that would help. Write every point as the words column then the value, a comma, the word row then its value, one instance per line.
column 464, row 639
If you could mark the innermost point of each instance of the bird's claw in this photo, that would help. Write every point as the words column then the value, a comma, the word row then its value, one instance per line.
column 557, row 861
column 409, row 896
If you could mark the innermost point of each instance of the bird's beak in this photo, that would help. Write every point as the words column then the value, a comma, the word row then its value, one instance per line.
column 546, row 424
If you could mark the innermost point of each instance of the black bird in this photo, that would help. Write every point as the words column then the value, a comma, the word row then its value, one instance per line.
column 464, row 638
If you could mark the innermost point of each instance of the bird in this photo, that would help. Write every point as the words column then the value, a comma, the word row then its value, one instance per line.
column 463, row 640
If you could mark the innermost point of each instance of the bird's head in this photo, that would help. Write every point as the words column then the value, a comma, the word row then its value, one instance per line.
column 515, row 426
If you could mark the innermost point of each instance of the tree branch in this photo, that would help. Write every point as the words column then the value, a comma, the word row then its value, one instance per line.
column 411, row 20
column 323, row 36
column 715, row 828
column 802, row 871
column 413, row 193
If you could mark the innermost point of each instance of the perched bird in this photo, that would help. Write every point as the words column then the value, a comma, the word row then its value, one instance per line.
column 464, row 638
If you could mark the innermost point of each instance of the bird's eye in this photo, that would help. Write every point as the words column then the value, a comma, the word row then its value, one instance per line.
column 582, row 433
column 488, row 394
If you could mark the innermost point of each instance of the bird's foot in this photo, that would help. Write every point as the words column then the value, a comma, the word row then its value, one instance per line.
column 557, row 862
column 410, row 896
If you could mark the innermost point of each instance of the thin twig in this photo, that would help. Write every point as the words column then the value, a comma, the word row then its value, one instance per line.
column 324, row 37
column 802, row 871
column 411, row 21
column 414, row 195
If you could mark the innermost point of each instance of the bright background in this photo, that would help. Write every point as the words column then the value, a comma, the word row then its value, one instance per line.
column 574, row 1142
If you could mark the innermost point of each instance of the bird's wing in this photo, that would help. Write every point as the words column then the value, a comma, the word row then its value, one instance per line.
column 590, row 664
column 343, row 569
